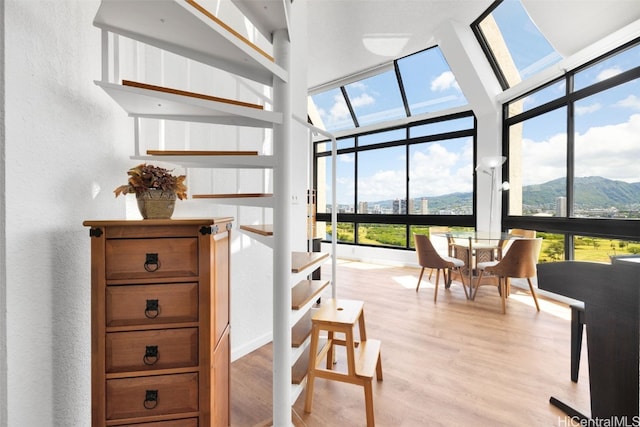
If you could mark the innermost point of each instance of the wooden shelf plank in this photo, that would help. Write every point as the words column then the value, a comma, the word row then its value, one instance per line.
column 189, row 30
column 301, row 261
column 200, row 153
column 261, row 229
column 305, row 291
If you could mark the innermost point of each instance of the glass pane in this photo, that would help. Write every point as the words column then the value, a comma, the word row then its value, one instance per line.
column 537, row 98
column 552, row 247
column 387, row 136
column 429, row 83
column 609, row 67
column 607, row 149
column 382, row 234
column 326, row 146
column 516, row 43
column 333, row 111
column 345, row 173
column 435, row 128
column 599, row 249
column 538, row 165
column 441, row 177
column 345, row 232
column 376, row 99
column 382, row 181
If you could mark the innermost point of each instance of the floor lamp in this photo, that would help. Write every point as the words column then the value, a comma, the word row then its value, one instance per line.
column 489, row 165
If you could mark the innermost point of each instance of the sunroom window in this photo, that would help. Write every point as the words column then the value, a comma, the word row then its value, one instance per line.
column 416, row 84
column 513, row 44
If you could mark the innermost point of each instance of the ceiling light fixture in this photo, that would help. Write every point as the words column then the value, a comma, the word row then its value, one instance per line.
column 389, row 45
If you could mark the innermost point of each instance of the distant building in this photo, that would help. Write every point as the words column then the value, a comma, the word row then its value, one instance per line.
column 363, row 207
column 399, row 206
column 561, row 206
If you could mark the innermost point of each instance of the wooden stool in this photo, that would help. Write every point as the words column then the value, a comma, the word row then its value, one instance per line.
column 363, row 357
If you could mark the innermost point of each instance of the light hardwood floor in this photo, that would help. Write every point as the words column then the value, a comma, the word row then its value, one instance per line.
column 453, row 363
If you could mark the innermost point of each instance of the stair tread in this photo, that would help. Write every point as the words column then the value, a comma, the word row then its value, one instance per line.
column 301, row 330
column 299, row 369
column 230, row 195
column 200, row 153
column 190, row 94
column 305, row 291
column 302, row 260
column 262, row 229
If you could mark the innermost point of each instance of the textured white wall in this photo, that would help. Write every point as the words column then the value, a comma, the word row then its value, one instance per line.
column 66, row 147
column 64, row 139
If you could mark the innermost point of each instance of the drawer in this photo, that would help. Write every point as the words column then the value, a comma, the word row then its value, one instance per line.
column 191, row 422
column 153, row 349
column 151, row 258
column 152, row 396
column 151, row 304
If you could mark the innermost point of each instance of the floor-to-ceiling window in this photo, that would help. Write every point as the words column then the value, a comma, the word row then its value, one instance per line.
column 394, row 182
column 397, row 179
column 573, row 148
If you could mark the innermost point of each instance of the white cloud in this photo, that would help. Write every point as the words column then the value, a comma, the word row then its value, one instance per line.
column 382, row 185
column 630, row 101
column 362, row 100
column 444, row 81
column 608, row 73
column 436, row 171
column 610, row 151
column 586, row 109
column 347, row 158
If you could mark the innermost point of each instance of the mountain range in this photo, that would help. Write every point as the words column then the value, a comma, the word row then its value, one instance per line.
column 591, row 193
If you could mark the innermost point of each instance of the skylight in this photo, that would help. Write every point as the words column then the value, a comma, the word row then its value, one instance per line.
column 513, row 44
column 416, row 84
column 429, row 83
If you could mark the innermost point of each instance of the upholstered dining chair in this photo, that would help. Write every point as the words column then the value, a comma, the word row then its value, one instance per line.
column 428, row 257
column 519, row 262
column 516, row 232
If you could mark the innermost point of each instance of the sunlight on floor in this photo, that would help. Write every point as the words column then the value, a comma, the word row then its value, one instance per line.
column 409, row 281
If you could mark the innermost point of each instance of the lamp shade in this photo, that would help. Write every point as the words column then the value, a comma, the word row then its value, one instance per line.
column 491, row 162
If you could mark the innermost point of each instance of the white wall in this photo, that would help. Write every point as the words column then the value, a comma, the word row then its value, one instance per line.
column 65, row 148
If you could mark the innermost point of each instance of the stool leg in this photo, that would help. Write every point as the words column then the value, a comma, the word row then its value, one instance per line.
column 576, row 343
column 368, row 401
column 379, row 368
column 313, row 352
column 330, row 354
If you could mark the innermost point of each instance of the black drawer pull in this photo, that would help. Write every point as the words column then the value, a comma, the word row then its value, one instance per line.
column 152, row 263
column 151, row 355
column 153, row 309
column 151, row 399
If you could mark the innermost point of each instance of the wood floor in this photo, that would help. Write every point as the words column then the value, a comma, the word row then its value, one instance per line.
column 453, row 363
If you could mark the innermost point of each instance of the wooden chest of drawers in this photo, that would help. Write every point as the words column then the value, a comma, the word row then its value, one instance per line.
column 160, row 348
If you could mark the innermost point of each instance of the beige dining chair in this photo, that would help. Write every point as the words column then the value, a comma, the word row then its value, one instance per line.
column 428, row 257
column 504, row 244
column 520, row 261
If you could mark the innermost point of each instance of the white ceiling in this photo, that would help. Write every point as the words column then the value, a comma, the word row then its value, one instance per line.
column 350, row 36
